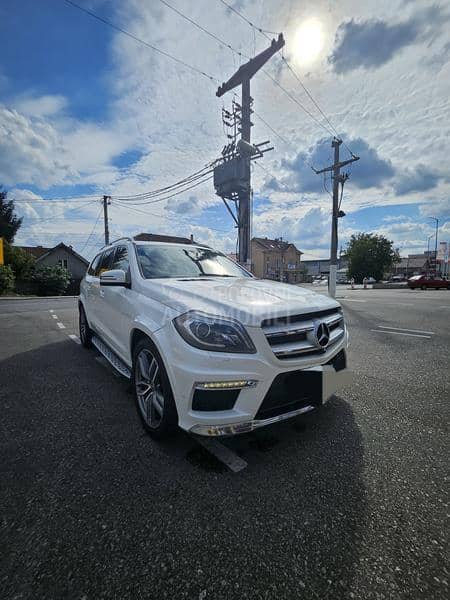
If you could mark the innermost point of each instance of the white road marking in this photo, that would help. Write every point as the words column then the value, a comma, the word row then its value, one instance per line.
column 60, row 325
column 54, row 316
column 410, row 330
column 75, row 338
column 428, row 337
column 51, row 310
column 351, row 300
column 444, row 306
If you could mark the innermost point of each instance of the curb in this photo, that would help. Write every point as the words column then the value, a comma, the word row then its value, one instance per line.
column 35, row 297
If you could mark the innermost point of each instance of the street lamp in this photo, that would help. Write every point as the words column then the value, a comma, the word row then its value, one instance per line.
column 428, row 253
column 436, row 243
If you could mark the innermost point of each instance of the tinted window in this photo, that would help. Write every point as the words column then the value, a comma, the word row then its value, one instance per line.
column 185, row 261
column 121, row 259
column 93, row 265
column 105, row 262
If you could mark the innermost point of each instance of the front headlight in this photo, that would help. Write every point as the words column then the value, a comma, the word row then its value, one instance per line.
column 213, row 333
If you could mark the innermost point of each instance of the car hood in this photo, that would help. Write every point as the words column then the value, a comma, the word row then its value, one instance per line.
column 247, row 300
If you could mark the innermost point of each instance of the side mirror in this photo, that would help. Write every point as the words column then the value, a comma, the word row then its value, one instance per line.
column 115, row 277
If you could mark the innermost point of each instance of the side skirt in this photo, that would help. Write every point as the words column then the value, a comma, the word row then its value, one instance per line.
column 111, row 357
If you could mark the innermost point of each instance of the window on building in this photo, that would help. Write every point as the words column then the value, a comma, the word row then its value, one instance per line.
column 62, row 262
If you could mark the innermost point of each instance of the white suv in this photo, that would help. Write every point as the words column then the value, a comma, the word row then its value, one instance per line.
column 207, row 346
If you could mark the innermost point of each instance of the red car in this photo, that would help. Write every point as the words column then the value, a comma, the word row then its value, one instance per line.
column 425, row 281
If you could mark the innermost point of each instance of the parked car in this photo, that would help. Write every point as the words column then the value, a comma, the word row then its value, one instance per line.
column 425, row 282
column 207, row 346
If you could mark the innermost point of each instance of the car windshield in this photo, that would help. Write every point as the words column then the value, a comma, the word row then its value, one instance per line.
column 182, row 261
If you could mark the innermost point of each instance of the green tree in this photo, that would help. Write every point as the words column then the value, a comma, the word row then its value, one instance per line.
column 370, row 255
column 20, row 261
column 9, row 222
column 52, row 280
column 6, row 279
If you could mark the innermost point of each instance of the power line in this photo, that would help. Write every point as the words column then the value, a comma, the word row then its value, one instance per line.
column 93, row 229
column 140, row 41
column 178, row 220
column 294, row 73
column 263, row 32
column 242, row 54
column 157, row 192
column 185, row 189
column 70, row 210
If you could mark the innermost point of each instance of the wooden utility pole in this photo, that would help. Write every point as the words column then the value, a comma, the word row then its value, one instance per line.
column 336, row 213
column 106, row 201
column 242, row 77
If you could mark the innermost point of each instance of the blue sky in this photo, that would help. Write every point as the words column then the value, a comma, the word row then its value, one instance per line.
column 87, row 110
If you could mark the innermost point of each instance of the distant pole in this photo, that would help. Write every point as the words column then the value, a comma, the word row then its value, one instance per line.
column 106, row 200
column 435, row 244
column 336, row 213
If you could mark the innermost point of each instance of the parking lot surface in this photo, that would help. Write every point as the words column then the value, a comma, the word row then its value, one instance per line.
column 346, row 502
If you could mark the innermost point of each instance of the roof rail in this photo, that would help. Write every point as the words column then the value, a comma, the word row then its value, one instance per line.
column 118, row 240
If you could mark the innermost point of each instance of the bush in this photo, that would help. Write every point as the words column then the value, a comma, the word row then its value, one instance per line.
column 51, row 281
column 6, row 279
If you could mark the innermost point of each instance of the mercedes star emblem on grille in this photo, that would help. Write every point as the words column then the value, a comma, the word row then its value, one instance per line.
column 322, row 335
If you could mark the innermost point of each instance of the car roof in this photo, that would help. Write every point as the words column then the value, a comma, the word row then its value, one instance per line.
column 150, row 243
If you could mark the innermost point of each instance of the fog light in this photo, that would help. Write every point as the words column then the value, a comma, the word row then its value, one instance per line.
column 226, row 385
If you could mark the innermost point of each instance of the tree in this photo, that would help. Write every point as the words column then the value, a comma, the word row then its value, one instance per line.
column 370, row 255
column 6, row 279
column 20, row 261
column 9, row 222
column 51, row 281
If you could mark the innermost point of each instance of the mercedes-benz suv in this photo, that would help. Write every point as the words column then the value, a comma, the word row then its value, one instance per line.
column 209, row 347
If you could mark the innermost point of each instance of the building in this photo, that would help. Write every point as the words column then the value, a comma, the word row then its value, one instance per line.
column 415, row 264
column 321, row 266
column 276, row 259
column 64, row 256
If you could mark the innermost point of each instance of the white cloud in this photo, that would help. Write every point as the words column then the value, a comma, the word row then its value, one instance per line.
column 172, row 116
column 41, row 106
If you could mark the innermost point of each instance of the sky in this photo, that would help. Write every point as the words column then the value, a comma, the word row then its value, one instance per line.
column 86, row 111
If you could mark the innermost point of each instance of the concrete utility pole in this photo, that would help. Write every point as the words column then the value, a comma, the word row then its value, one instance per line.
column 106, row 201
column 243, row 190
column 336, row 213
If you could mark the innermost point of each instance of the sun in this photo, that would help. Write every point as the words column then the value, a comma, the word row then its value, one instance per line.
column 308, row 41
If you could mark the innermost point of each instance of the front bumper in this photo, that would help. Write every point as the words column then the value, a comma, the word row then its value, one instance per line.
column 331, row 382
column 187, row 366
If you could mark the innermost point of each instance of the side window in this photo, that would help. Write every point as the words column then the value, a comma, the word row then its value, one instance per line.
column 121, row 259
column 105, row 262
column 94, row 264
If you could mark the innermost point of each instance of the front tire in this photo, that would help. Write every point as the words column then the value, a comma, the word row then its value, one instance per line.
column 154, row 398
column 85, row 330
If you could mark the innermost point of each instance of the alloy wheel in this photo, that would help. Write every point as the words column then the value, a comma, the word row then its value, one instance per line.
column 148, row 388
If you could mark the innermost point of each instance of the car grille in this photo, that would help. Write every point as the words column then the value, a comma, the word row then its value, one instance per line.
column 296, row 335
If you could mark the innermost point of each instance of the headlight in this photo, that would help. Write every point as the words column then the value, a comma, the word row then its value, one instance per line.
column 213, row 333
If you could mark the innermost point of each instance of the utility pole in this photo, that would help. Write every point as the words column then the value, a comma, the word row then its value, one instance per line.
column 336, row 213
column 241, row 188
column 106, row 201
column 435, row 244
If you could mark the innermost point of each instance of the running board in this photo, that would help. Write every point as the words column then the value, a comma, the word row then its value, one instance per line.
column 111, row 357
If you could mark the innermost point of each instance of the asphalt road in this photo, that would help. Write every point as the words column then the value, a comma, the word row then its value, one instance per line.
column 348, row 502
